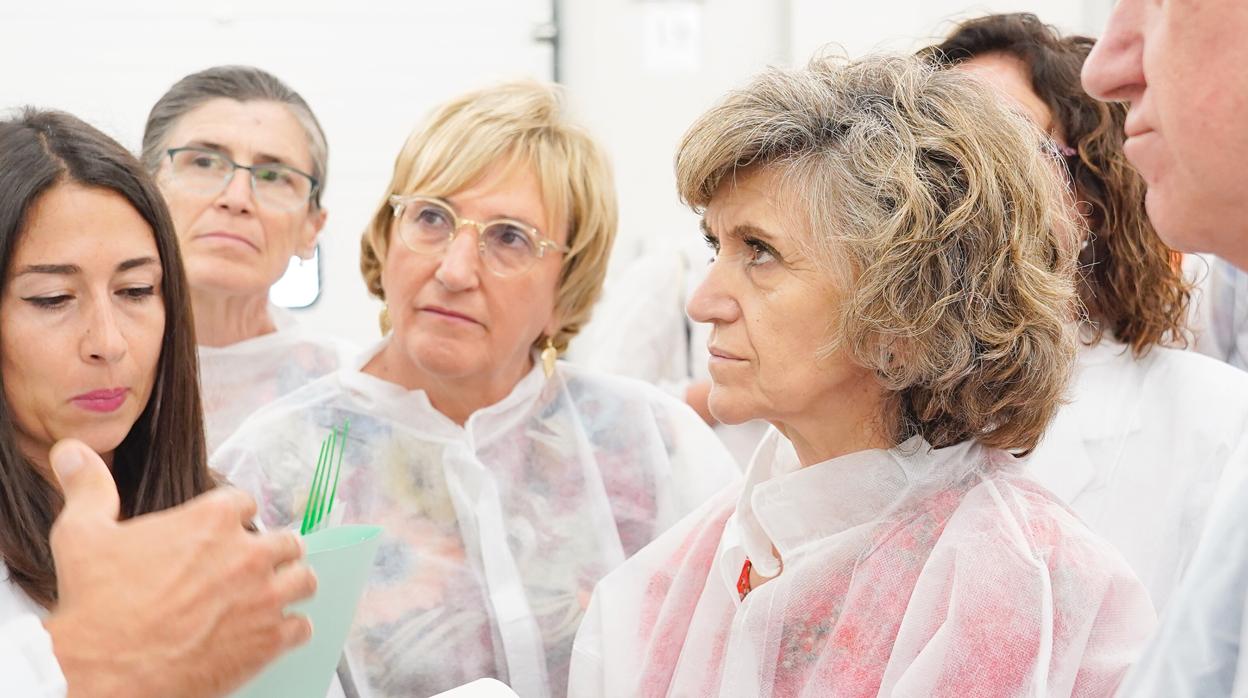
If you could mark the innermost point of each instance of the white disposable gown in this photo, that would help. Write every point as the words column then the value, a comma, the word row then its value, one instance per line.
column 238, row 379
column 495, row 531
column 1140, row 451
column 640, row 330
column 1199, row 650
column 906, row 572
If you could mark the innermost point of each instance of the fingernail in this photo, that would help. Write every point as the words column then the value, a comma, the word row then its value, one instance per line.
column 67, row 461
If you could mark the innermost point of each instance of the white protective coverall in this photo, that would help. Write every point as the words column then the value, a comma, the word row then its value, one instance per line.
column 906, row 572
column 238, row 379
column 495, row 531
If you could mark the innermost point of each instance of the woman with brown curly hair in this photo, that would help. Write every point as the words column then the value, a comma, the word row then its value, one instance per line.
column 889, row 291
column 1149, row 428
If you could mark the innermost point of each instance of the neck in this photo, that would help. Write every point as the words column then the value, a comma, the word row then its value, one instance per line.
column 849, row 423
column 222, row 320
column 456, row 397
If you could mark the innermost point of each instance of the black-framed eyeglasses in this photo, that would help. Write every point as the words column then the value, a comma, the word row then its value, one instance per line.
column 207, row 171
column 507, row 246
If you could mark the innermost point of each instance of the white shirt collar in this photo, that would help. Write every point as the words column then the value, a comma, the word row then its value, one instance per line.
column 784, row 506
column 394, row 399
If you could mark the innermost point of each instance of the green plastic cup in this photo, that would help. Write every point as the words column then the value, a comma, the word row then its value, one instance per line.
column 342, row 559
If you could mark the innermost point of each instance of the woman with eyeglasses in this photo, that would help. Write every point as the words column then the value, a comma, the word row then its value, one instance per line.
column 1140, row 448
column 508, row 482
column 241, row 160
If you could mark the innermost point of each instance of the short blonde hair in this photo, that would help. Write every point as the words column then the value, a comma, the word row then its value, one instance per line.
column 938, row 203
column 515, row 124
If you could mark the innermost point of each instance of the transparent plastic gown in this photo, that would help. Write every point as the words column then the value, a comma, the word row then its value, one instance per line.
column 237, row 380
column 907, row 572
column 497, row 531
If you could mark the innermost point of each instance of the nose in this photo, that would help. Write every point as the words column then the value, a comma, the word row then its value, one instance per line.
column 460, row 267
column 712, row 301
column 1114, row 70
column 102, row 340
column 237, row 197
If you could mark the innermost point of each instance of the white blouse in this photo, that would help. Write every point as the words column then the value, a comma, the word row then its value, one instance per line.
column 27, row 665
column 1141, row 449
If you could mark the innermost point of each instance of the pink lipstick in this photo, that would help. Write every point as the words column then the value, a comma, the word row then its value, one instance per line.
column 108, row 400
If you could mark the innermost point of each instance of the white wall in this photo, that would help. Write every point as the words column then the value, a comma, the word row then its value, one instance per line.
column 640, row 113
column 370, row 70
column 905, row 25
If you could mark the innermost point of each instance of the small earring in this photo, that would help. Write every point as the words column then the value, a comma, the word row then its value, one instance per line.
column 549, row 355
column 384, row 320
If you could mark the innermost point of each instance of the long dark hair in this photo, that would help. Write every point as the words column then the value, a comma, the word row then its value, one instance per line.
column 1131, row 283
column 162, row 461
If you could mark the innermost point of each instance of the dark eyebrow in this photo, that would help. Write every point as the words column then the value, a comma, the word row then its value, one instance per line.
column 136, row 262
column 743, row 230
column 270, row 159
column 266, row 158
column 752, row 231
column 71, row 269
column 209, row 145
column 61, row 269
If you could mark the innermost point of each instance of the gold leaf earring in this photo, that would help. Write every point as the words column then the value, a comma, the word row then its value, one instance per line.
column 549, row 355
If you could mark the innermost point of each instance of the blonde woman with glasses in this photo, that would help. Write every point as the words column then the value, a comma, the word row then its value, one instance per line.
column 242, row 163
column 508, row 481
column 886, row 540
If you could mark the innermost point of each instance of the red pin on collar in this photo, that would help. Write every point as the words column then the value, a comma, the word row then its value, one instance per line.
column 743, row 582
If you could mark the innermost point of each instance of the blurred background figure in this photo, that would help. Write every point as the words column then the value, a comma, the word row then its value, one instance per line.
column 1179, row 67
column 1139, row 450
column 1224, row 316
column 242, row 162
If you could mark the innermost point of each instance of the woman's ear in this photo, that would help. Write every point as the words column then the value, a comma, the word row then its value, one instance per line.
column 305, row 247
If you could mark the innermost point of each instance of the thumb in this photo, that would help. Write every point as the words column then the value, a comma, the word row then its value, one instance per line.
column 86, row 482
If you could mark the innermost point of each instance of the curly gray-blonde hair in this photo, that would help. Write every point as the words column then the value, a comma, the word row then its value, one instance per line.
column 942, row 208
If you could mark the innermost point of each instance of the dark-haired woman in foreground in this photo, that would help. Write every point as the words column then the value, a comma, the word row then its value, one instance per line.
column 96, row 345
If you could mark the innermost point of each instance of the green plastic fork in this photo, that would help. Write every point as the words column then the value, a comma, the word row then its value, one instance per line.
column 325, row 481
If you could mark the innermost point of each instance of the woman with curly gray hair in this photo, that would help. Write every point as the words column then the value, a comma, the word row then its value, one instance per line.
column 892, row 290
